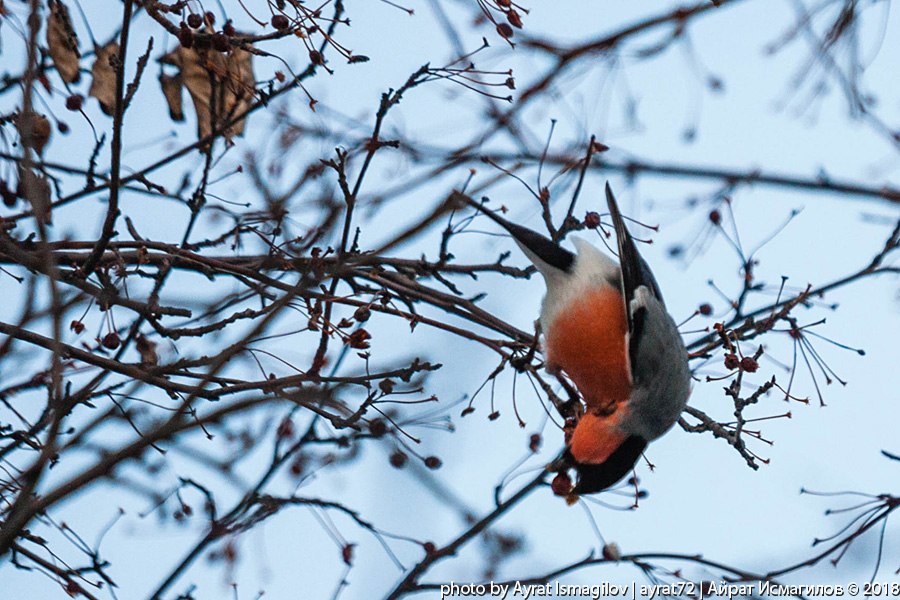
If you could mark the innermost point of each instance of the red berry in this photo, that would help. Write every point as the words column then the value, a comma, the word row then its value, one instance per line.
column 194, row 20
column 504, row 30
column 562, row 484
column 285, row 429
column 298, row 466
column 111, row 341
column 280, row 22
column 749, row 364
column 611, row 552
column 715, row 217
column 514, row 19
column 377, row 427
column 534, row 442
column 209, row 18
column 732, row 361
column 315, row 57
column 398, row 459
column 433, row 462
column 591, row 220
column 429, row 547
column 705, row 309
column 74, row 102
column 228, row 29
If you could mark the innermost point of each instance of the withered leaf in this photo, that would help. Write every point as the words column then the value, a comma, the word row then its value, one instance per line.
column 63, row 43
column 221, row 85
column 34, row 130
column 36, row 190
column 147, row 351
column 171, row 88
column 103, row 78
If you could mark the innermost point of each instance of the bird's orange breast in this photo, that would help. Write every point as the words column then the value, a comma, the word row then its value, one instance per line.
column 587, row 341
column 596, row 437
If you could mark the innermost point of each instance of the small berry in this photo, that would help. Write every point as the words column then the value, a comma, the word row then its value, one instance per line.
column 280, row 22
column 732, row 361
column 749, row 364
column 298, row 466
column 386, row 386
column 398, row 459
column 74, row 102
column 433, row 462
column 504, row 30
column 377, row 427
column 362, row 314
column 111, row 340
column 315, row 57
column 494, row 415
column 73, row 589
column 591, row 220
column 228, row 29
column 561, row 485
column 429, row 547
column 209, row 18
column 194, row 20
column 285, row 429
column 611, row 551
column 705, row 309
column 62, row 127
column 715, row 217
column 534, row 442
column 514, row 19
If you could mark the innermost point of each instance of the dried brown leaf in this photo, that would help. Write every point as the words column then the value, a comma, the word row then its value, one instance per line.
column 147, row 351
column 34, row 130
column 36, row 190
column 63, row 43
column 103, row 78
column 208, row 74
column 171, row 89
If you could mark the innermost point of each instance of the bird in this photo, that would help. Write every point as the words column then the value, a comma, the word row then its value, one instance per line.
column 606, row 327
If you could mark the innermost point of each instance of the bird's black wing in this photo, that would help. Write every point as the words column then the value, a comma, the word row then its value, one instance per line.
column 548, row 251
column 635, row 273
